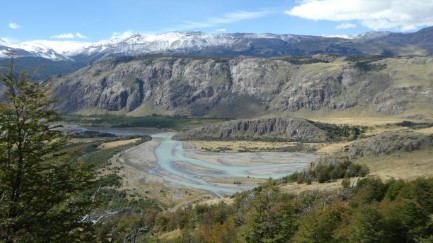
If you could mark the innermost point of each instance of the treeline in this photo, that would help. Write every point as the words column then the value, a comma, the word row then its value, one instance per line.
column 340, row 132
column 91, row 134
column 373, row 211
column 176, row 122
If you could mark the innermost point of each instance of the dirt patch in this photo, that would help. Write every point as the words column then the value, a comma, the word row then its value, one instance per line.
column 327, row 149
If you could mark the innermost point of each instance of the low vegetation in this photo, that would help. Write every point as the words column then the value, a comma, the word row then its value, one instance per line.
column 178, row 123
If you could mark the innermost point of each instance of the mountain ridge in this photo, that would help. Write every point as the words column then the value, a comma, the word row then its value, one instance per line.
column 249, row 44
column 240, row 87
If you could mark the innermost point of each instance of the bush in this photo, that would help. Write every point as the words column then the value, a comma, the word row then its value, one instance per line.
column 325, row 172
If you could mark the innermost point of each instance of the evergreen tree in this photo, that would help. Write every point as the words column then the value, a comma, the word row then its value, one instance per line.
column 40, row 187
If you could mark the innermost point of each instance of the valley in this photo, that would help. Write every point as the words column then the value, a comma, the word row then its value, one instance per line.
column 178, row 174
column 221, row 174
column 199, row 137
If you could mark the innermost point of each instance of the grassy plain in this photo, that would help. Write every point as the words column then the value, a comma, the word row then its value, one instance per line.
column 404, row 165
column 114, row 144
column 252, row 146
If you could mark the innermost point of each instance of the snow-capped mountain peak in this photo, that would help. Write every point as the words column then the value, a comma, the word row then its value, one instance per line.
column 342, row 36
column 54, row 50
column 373, row 35
column 200, row 43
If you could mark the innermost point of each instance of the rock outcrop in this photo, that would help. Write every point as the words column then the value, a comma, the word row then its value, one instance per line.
column 387, row 143
column 271, row 129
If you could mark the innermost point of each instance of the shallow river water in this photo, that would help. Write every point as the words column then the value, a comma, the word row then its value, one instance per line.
column 194, row 172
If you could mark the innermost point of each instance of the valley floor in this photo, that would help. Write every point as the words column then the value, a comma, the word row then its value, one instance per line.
column 143, row 177
column 222, row 173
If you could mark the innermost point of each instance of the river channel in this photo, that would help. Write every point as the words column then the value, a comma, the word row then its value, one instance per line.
column 211, row 171
column 198, row 169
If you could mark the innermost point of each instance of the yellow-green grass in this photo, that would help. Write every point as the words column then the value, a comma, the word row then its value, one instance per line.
column 172, row 235
column 114, row 144
column 253, row 146
column 332, row 147
column 426, row 130
column 404, row 165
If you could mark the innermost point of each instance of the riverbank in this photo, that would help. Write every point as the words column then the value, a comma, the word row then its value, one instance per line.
column 172, row 171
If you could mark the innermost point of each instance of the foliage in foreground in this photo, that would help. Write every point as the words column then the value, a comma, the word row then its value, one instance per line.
column 50, row 190
column 41, row 189
column 373, row 211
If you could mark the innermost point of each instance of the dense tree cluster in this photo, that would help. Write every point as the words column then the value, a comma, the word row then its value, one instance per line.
column 373, row 211
column 325, row 172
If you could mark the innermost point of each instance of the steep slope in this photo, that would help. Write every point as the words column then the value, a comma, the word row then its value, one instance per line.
column 248, row 87
column 387, row 143
column 272, row 129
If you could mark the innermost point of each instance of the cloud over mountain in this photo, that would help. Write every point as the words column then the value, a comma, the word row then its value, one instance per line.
column 70, row 36
column 377, row 15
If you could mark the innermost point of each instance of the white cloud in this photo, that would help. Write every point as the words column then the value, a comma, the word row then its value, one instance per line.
column 64, row 36
column 227, row 18
column 80, row 36
column 384, row 14
column 14, row 26
column 237, row 16
column 69, row 36
column 345, row 26
column 122, row 35
column 221, row 30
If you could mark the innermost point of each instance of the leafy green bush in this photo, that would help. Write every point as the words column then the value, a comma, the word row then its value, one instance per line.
column 325, row 172
column 340, row 132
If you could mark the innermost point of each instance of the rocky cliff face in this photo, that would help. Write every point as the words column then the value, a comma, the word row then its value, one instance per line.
column 246, row 87
column 388, row 143
column 272, row 129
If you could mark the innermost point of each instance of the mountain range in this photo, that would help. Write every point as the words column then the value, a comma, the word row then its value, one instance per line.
column 226, row 44
column 237, row 75
column 243, row 87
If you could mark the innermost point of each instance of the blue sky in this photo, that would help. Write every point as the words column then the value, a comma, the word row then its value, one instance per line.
column 94, row 20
